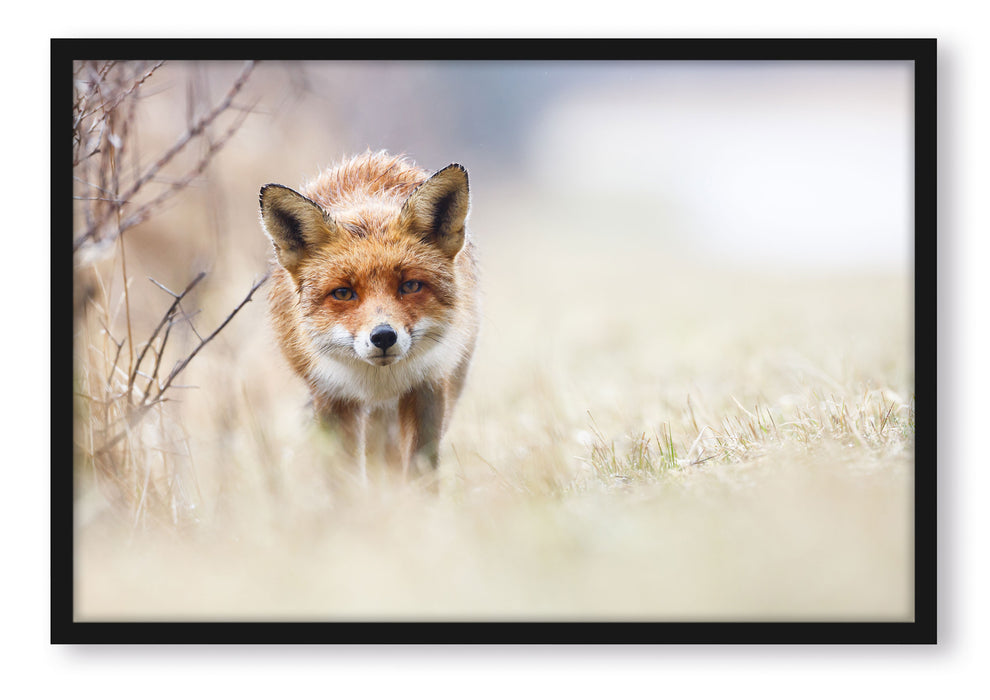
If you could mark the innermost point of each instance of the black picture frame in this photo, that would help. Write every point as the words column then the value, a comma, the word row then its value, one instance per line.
column 923, row 630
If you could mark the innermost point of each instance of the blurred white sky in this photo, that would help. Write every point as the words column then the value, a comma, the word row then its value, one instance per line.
column 804, row 163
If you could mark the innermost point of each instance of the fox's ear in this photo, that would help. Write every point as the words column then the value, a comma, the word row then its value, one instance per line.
column 295, row 224
column 436, row 210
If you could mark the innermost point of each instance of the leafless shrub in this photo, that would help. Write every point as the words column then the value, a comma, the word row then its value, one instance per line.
column 124, row 440
column 104, row 104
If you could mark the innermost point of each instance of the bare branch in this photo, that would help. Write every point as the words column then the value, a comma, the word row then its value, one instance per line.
column 182, row 364
column 188, row 319
column 167, row 290
column 138, row 412
column 194, row 130
column 158, row 362
column 117, row 99
column 161, row 324
column 146, row 209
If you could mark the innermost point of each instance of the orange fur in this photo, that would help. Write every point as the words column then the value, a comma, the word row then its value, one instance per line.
column 374, row 299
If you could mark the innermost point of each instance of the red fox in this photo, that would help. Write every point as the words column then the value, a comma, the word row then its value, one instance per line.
column 374, row 300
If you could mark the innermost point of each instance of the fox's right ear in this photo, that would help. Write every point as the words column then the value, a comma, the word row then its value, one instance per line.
column 296, row 225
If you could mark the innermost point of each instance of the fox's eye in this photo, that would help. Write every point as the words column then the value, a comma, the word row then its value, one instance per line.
column 411, row 286
column 343, row 294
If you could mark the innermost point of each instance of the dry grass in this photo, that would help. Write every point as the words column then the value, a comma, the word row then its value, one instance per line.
column 642, row 437
column 554, row 506
column 125, row 443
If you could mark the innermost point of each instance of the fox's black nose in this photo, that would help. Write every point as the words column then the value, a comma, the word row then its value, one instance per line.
column 383, row 337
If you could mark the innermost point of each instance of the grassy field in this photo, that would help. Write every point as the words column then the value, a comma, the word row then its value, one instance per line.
column 644, row 435
column 662, row 442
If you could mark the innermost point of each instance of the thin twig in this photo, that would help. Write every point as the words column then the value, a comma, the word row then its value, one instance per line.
column 195, row 130
column 183, row 363
column 117, row 99
column 138, row 412
column 146, row 209
column 158, row 362
column 188, row 319
column 161, row 324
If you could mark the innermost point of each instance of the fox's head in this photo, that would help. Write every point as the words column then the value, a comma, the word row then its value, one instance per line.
column 376, row 277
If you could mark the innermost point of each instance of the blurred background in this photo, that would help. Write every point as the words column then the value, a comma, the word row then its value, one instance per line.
column 759, row 162
column 780, row 165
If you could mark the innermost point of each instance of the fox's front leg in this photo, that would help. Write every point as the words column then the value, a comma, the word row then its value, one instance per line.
column 421, row 423
column 347, row 422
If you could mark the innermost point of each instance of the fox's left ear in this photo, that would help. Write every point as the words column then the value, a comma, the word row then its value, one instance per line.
column 297, row 225
column 436, row 210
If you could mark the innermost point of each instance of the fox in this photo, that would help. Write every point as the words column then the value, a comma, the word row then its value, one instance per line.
column 374, row 301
